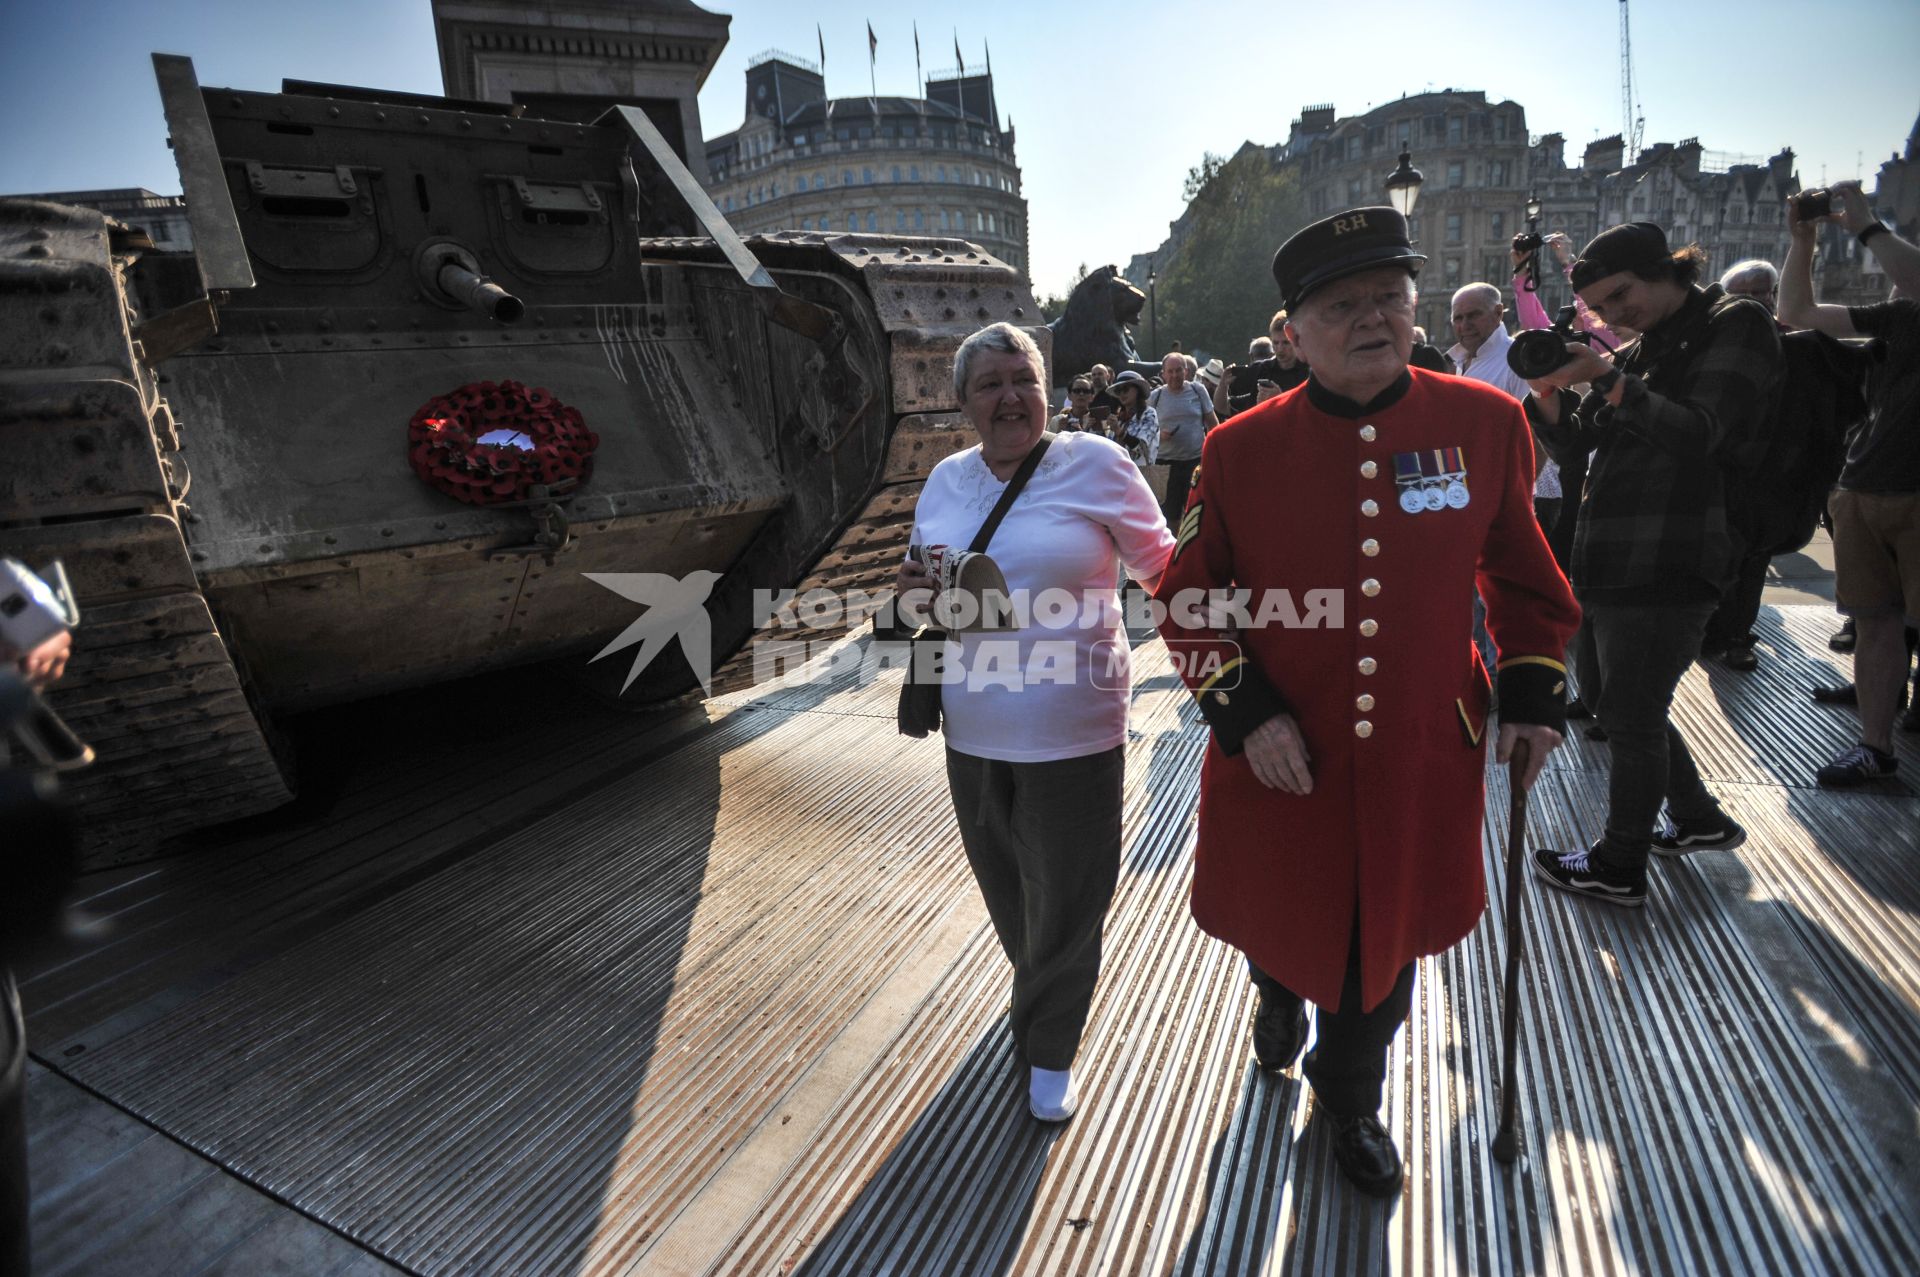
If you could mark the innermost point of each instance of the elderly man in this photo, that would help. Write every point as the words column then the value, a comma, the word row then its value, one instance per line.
column 1340, row 805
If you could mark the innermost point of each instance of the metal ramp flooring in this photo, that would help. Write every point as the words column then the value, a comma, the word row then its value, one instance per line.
column 714, row 993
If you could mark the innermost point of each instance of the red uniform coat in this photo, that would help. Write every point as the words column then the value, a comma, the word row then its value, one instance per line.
column 1299, row 494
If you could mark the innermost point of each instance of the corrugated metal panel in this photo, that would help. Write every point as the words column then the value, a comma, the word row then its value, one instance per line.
column 534, row 1057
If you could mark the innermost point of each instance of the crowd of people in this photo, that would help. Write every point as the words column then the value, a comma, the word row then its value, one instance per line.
column 1485, row 527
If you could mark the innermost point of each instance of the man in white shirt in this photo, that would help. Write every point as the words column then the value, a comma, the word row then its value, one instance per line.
column 1481, row 353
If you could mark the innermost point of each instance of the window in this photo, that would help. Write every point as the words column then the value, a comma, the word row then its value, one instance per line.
column 919, row 219
column 823, row 224
column 846, row 177
column 1456, row 174
column 1356, row 146
column 899, row 219
column 1356, row 191
column 913, row 173
column 940, row 173
column 1453, row 228
column 979, row 221
column 853, row 221
column 1413, row 228
column 842, row 134
column 1456, row 129
column 1453, row 272
column 1497, row 173
column 819, row 181
column 866, row 176
column 873, row 223
column 1499, row 128
column 774, row 191
column 1496, row 225
column 729, row 203
column 992, row 227
column 866, row 132
column 896, row 172
column 944, row 225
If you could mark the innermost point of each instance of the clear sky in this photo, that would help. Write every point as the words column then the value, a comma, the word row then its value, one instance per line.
column 1113, row 101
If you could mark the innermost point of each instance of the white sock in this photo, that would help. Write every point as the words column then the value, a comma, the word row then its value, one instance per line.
column 1050, row 1094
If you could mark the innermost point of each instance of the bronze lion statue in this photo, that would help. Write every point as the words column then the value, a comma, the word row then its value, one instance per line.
column 1093, row 328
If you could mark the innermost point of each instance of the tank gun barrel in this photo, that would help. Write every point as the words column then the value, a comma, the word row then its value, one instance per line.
column 477, row 292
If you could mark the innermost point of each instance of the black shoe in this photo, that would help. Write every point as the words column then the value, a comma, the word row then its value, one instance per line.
column 1828, row 695
column 1278, row 1036
column 1366, row 1155
column 1843, row 638
column 1580, row 873
column 1596, row 732
column 1719, row 835
column 1857, row 766
column 1740, row 656
column 1577, row 708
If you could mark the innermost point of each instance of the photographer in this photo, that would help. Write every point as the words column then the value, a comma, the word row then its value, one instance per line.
column 1651, row 547
column 1876, row 505
column 1258, row 380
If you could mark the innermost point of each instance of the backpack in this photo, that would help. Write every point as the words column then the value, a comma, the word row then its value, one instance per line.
column 1788, row 466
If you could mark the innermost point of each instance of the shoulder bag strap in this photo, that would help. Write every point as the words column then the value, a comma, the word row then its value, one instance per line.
column 1027, row 466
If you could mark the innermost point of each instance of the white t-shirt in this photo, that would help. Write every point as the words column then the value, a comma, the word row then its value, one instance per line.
column 1057, row 688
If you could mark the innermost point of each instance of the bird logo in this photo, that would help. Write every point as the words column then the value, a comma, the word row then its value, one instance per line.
column 676, row 609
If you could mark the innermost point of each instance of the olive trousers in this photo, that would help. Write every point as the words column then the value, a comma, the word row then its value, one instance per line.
column 1044, row 843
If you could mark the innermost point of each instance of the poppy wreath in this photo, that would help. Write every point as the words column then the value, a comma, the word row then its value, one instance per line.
column 553, row 445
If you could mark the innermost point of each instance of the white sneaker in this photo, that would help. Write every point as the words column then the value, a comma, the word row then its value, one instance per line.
column 1050, row 1094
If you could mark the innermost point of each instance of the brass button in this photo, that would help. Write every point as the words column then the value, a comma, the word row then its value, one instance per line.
column 1367, row 433
column 1368, row 469
column 1370, row 508
column 1363, row 729
column 1368, row 665
column 1363, row 703
column 1220, row 698
column 1369, row 547
column 1369, row 587
column 1369, row 628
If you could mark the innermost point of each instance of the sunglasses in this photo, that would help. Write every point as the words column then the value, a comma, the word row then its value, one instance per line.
column 1080, row 390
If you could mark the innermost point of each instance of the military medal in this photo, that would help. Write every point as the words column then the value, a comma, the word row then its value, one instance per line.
column 1454, row 461
column 1433, row 482
column 1406, row 476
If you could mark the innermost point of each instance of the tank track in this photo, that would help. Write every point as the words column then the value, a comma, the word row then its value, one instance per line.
column 930, row 295
column 93, row 478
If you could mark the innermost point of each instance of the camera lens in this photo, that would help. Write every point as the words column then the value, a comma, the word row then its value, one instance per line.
column 1536, row 353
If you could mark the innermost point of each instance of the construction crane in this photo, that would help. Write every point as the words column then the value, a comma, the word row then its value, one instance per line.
column 1633, row 124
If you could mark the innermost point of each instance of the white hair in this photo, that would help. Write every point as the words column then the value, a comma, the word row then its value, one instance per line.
column 1002, row 338
column 1752, row 266
column 1490, row 292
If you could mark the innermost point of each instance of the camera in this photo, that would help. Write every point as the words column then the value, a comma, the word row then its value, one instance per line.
column 32, row 611
column 1527, row 241
column 1537, row 352
column 1811, row 206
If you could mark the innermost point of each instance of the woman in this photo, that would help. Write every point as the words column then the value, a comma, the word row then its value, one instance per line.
column 1184, row 412
column 1136, row 425
column 1037, row 727
column 1079, row 399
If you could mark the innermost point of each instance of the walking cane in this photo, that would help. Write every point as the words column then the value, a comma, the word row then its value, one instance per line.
column 1506, row 1142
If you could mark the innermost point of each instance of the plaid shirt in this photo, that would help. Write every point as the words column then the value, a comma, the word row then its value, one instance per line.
column 1653, row 525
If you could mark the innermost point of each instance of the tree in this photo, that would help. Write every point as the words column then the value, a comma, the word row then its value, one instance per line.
column 1218, row 291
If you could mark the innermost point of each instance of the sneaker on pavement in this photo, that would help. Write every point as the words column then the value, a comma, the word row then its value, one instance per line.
column 1581, row 874
column 1719, row 835
column 1857, row 766
column 1740, row 656
column 1828, row 694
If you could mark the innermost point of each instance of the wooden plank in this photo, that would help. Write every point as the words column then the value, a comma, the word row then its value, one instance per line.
column 114, row 624
column 107, row 557
column 77, row 447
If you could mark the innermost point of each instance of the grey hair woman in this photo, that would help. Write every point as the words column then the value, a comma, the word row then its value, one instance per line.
column 1036, row 723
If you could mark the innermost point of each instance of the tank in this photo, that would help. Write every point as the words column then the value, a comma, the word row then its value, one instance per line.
column 264, row 463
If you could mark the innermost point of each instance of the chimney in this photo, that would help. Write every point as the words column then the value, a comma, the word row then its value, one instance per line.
column 1604, row 155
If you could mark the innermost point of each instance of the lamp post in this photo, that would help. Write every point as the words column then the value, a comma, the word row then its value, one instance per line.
column 1403, row 185
column 1153, row 311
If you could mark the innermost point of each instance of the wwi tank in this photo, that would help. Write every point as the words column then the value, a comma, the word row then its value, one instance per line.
column 260, row 461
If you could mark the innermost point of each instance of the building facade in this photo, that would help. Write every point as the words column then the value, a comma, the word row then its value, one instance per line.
column 939, row 165
column 572, row 59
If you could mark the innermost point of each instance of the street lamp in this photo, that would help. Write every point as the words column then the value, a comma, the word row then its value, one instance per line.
column 1403, row 185
column 1153, row 310
column 1534, row 209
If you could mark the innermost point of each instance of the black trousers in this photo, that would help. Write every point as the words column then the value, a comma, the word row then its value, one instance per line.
column 1348, row 1064
column 1179, row 479
column 1733, row 620
column 1044, row 843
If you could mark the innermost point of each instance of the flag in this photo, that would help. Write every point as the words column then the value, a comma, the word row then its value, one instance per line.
column 989, row 57
column 873, row 43
column 919, row 77
column 823, row 48
column 958, row 56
